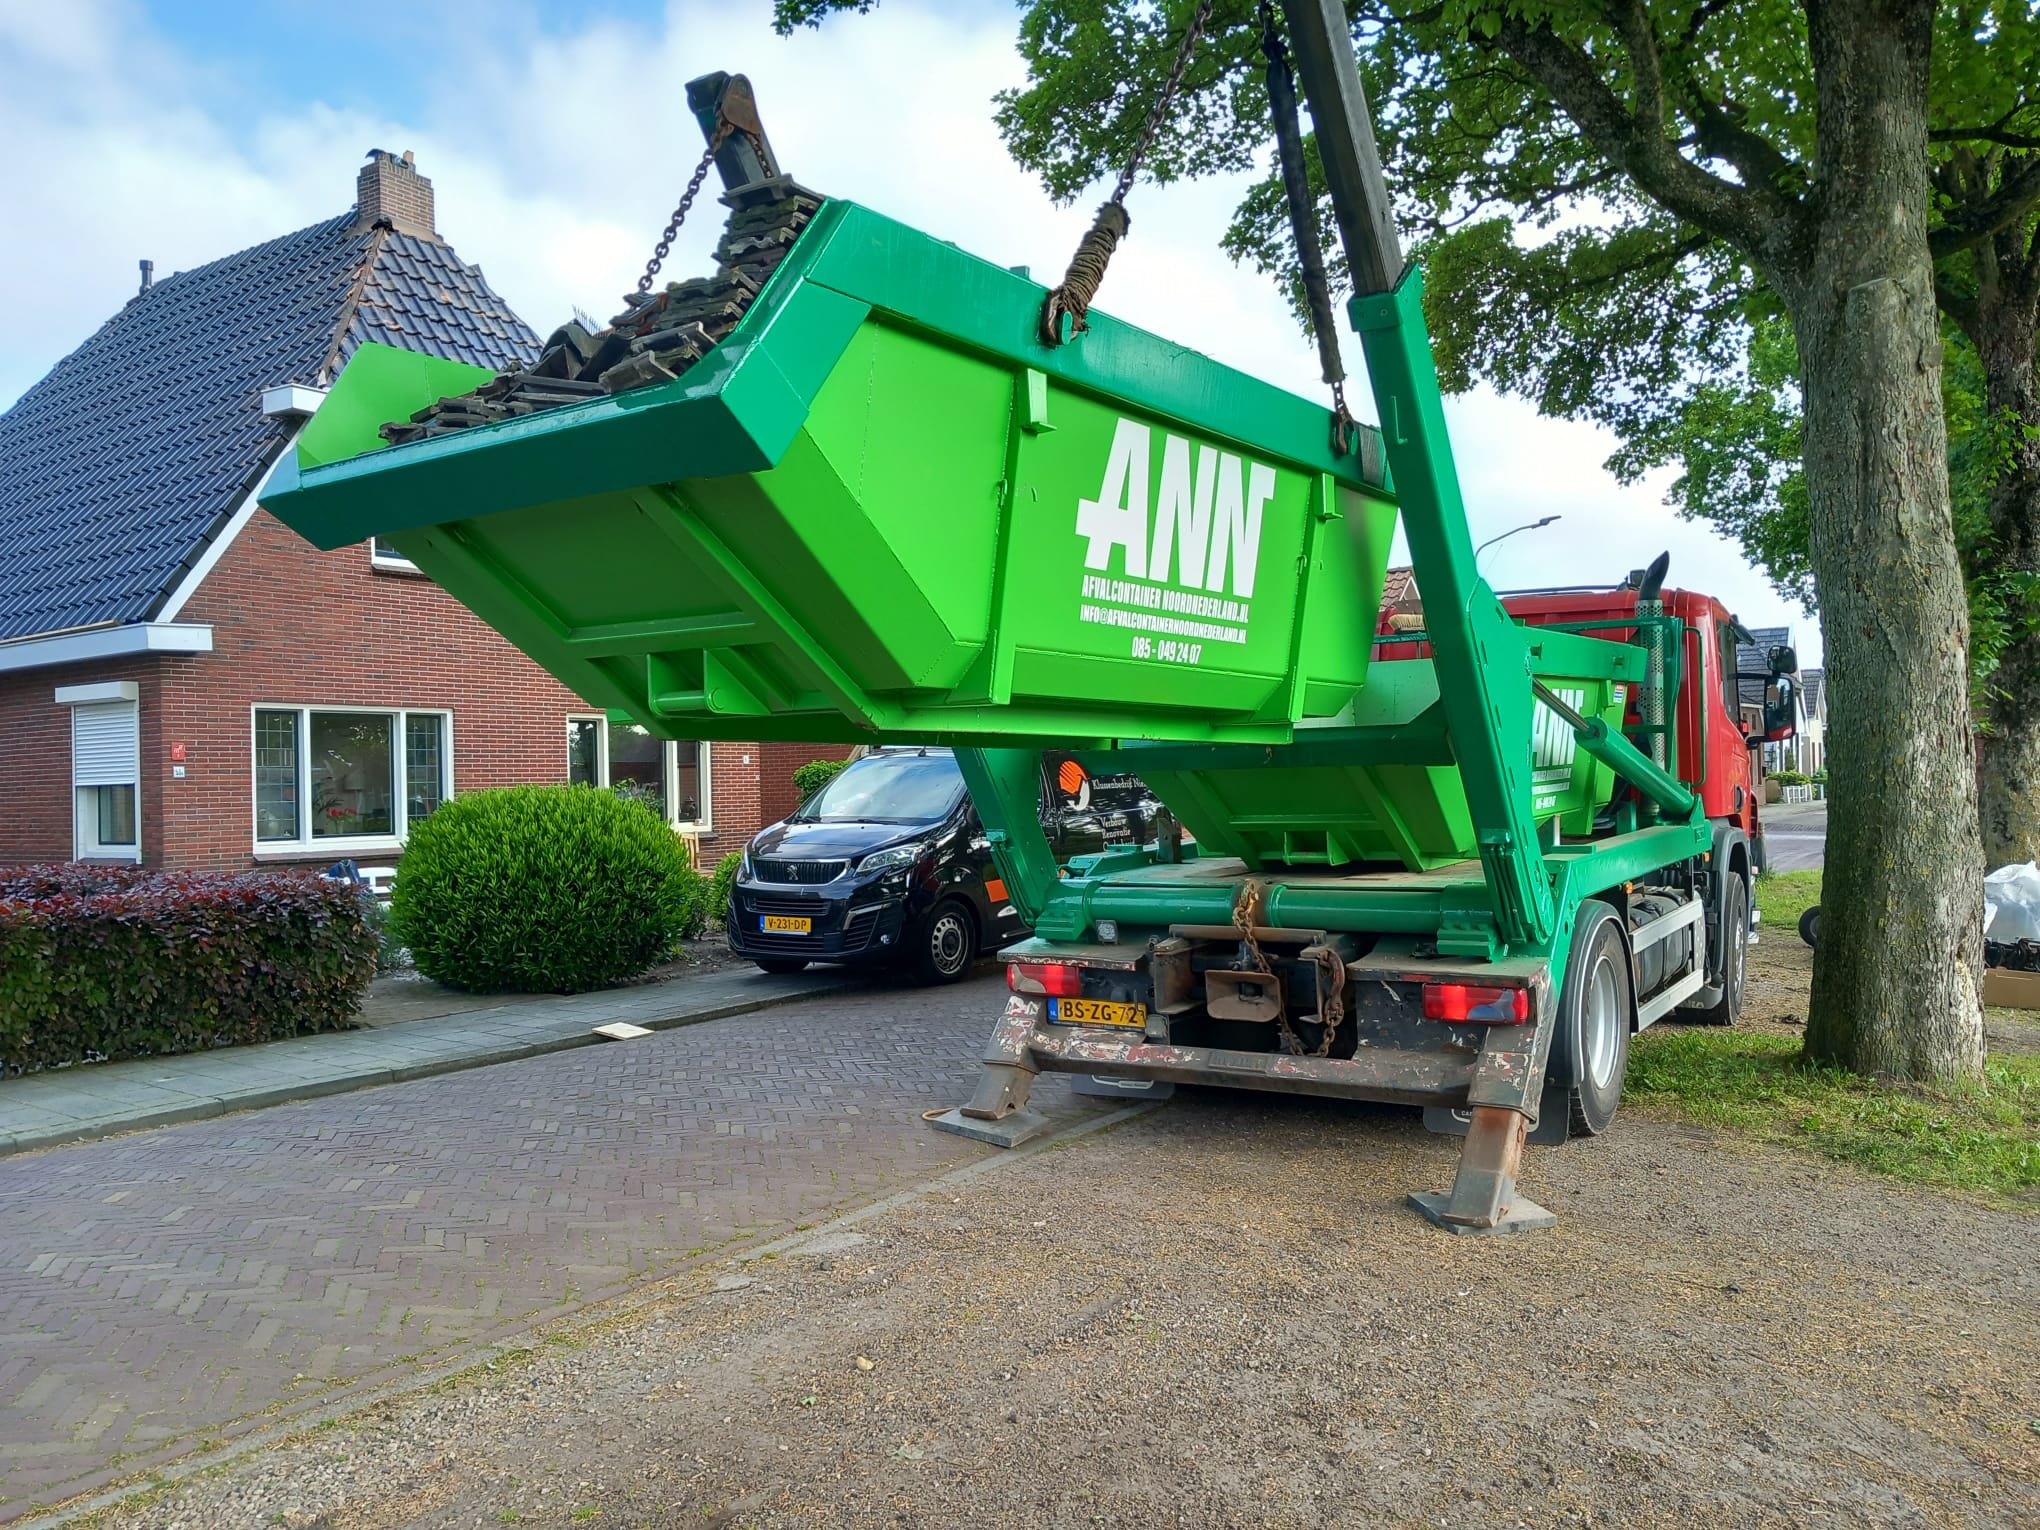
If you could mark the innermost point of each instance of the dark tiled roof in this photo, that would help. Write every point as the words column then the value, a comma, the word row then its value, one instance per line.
column 1812, row 682
column 118, row 466
column 1755, row 659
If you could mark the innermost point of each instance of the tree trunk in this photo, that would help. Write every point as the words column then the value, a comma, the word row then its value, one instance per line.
column 1897, row 973
column 2003, row 327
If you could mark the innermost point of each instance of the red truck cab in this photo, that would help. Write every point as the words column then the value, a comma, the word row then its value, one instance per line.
column 1715, row 738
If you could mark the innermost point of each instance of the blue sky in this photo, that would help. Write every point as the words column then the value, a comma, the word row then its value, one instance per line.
column 557, row 138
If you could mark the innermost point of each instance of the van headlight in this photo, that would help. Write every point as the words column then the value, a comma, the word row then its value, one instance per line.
column 893, row 859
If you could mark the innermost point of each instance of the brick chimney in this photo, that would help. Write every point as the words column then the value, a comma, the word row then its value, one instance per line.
column 390, row 190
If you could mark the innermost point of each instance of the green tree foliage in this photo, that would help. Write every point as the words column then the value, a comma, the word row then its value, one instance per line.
column 543, row 889
column 720, row 885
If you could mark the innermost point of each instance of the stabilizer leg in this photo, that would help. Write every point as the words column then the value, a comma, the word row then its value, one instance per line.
column 1484, row 1197
column 998, row 1112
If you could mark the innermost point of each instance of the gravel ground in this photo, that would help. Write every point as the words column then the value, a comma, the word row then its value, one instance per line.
column 1221, row 1314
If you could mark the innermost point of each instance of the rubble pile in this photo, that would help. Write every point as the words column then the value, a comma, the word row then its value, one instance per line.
column 658, row 336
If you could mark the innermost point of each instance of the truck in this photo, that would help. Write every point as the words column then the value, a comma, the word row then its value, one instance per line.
column 862, row 486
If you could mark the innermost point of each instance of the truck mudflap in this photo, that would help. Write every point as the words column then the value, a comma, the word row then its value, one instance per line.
column 1498, row 1085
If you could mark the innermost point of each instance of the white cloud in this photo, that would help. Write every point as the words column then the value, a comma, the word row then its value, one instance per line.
column 557, row 156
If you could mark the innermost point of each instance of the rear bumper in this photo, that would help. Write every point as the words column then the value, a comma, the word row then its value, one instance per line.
column 1506, row 1070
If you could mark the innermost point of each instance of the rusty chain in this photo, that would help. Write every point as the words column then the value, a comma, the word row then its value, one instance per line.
column 1331, row 1004
column 665, row 245
column 1246, row 906
column 1072, row 297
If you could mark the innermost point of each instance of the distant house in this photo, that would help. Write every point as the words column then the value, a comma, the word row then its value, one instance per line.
column 185, row 683
column 1811, row 754
column 1753, row 666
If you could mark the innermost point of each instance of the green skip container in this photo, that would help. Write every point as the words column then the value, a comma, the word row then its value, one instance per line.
column 882, row 509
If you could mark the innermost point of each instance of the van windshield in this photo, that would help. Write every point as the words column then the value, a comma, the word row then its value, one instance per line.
column 889, row 788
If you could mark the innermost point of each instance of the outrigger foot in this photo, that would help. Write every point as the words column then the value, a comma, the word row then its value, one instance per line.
column 1007, row 1131
column 1483, row 1198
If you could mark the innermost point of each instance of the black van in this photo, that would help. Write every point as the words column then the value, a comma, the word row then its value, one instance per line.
column 888, row 863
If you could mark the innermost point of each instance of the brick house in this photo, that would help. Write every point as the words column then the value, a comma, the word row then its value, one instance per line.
column 185, row 683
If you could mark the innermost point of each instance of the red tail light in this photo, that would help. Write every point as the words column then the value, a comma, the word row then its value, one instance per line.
column 1468, row 1001
column 1056, row 978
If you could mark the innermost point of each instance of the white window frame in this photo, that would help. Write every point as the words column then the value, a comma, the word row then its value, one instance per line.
column 342, row 847
column 85, row 843
column 669, row 769
column 601, row 744
column 393, row 561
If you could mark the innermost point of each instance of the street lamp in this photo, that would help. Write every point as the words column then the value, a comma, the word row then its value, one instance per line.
column 1526, row 526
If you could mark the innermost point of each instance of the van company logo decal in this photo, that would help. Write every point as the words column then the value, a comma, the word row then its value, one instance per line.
column 1187, row 554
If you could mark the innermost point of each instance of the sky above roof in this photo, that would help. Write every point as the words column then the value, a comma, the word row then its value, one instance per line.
column 557, row 139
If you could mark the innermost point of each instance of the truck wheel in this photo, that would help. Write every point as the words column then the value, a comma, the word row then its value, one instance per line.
column 780, row 965
column 944, row 944
column 1735, row 931
column 1592, row 1044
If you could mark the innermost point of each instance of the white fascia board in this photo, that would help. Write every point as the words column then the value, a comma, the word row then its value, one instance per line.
column 216, row 549
column 129, row 641
column 105, row 690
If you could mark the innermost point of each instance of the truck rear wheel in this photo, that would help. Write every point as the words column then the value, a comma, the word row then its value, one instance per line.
column 1592, row 1044
column 1735, row 945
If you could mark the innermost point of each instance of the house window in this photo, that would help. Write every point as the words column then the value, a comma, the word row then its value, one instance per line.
column 584, row 751
column 382, row 554
column 106, row 768
column 672, row 777
column 346, row 777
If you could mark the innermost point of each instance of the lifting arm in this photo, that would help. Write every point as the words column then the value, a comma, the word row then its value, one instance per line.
column 1481, row 655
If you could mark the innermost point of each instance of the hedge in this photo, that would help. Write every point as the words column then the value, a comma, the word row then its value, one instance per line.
column 723, row 884
column 105, row 962
column 813, row 776
column 543, row 889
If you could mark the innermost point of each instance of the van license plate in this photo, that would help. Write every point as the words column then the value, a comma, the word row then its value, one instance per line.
column 786, row 924
column 1096, row 1012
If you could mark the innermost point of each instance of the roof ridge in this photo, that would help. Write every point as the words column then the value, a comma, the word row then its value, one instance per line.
column 371, row 251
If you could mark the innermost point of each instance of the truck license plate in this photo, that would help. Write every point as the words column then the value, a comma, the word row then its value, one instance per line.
column 786, row 924
column 1096, row 1012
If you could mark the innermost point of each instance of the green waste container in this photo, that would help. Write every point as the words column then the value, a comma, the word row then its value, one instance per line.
column 882, row 508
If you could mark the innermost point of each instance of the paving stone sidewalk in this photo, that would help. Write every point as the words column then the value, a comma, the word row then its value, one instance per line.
column 168, row 1287
column 98, row 1099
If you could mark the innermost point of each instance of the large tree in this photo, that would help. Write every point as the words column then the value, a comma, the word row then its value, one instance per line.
column 1734, row 139
column 1668, row 335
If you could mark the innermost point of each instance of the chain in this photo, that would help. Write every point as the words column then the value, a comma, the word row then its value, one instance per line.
column 1071, row 298
column 665, row 244
column 1332, row 1004
column 1154, row 117
column 1246, row 907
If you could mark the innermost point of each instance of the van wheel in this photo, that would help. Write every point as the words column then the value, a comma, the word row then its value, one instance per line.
column 781, row 965
column 945, row 944
column 1809, row 926
column 1591, row 1049
column 1735, row 933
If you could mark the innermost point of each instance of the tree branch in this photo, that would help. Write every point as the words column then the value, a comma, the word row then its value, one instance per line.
column 1743, row 217
column 2018, row 193
column 1984, row 135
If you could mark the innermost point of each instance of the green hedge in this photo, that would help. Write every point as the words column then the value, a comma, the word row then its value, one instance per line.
column 816, row 774
column 719, row 889
column 105, row 962
column 543, row 889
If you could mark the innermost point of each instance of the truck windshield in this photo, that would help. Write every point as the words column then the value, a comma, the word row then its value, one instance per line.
column 889, row 788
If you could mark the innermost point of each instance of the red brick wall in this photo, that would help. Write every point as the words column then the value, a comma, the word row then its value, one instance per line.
column 777, row 763
column 35, row 756
column 295, row 626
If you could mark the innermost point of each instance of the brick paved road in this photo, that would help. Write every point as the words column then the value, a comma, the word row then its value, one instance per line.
column 157, row 1288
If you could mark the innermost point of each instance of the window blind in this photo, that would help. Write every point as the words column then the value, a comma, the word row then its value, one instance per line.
column 106, row 747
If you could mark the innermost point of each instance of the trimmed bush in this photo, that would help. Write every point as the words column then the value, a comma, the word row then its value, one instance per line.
column 719, row 889
column 542, row 889
column 816, row 774
column 105, row 962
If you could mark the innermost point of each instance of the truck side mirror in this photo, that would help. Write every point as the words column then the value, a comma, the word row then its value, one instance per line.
column 1784, row 660
column 1781, row 714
